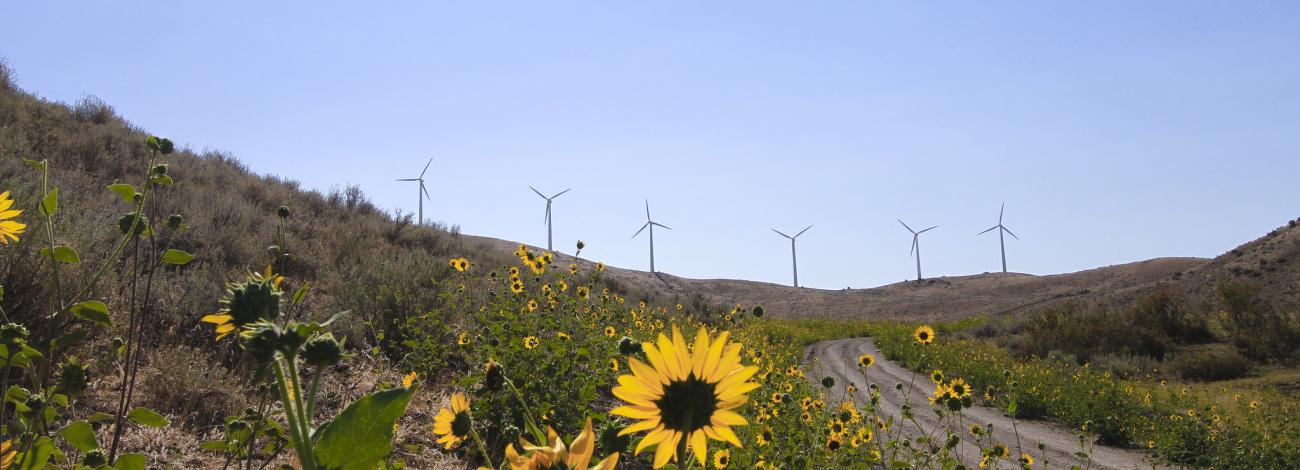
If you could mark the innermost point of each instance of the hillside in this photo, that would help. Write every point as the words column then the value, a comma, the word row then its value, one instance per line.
column 942, row 298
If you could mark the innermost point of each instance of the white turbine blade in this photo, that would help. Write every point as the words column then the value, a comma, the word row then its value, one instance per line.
column 905, row 226
column 909, row 251
column 425, row 191
column 1009, row 232
column 987, row 231
column 561, row 192
column 547, row 218
column 927, row 230
column 408, row 179
column 782, row 234
column 426, row 167
column 802, row 231
column 638, row 232
column 1000, row 212
column 661, row 225
column 647, row 210
column 539, row 193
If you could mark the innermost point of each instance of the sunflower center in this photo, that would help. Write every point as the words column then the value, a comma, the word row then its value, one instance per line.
column 687, row 405
column 461, row 425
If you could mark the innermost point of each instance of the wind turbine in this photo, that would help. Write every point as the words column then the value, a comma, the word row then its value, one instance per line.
column 423, row 193
column 793, row 259
column 651, row 224
column 548, row 212
column 1001, row 241
column 916, row 246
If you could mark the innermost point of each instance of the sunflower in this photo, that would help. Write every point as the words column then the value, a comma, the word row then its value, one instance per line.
column 834, row 442
column 610, row 331
column 517, row 286
column 532, row 305
column 613, row 364
column 722, row 459
column 575, row 456
column 531, row 342
column 936, row 376
column 976, row 430
column 258, row 298
column 461, row 264
column 764, row 437
column 600, row 267
column 573, row 268
column 999, row 451
column 454, row 424
column 865, row 435
column 866, row 360
column 7, row 451
column 1026, row 460
column 410, row 379
column 514, row 271
column 9, row 229
column 462, row 339
column 959, row 388
column 564, row 286
column 584, row 292
column 923, row 334
column 685, row 396
column 563, row 336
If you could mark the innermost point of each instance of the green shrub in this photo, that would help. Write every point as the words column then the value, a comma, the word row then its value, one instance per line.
column 1212, row 362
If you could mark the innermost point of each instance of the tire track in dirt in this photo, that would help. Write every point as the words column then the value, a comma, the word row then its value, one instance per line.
column 839, row 358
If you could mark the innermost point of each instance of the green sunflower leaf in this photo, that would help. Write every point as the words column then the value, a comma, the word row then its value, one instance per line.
column 146, row 417
column 63, row 254
column 177, row 257
column 362, row 435
column 81, row 435
column 125, row 190
column 93, row 310
column 50, row 204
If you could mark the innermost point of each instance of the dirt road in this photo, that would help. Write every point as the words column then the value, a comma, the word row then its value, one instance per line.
column 838, row 359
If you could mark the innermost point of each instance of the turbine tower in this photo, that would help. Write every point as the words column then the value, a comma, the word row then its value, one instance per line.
column 794, row 260
column 1001, row 240
column 423, row 193
column 548, row 213
column 916, row 246
column 651, row 224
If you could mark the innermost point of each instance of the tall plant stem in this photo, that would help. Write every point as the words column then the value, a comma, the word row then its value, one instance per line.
column 301, row 443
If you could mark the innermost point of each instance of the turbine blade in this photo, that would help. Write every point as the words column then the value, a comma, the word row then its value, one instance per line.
column 927, row 230
column 638, row 232
column 408, row 179
column 547, row 219
column 906, row 227
column 647, row 210
column 539, row 193
column 987, row 231
column 782, row 234
column 1001, row 211
column 909, row 251
column 1009, row 232
column 426, row 167
column 802, row 231
column 425, row 191
column 561, row 192
column 662, row 225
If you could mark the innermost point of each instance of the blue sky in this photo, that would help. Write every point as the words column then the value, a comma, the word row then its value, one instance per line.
column 1114, row 131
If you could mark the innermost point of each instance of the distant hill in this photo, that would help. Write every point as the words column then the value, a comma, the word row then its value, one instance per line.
column 1273, row 261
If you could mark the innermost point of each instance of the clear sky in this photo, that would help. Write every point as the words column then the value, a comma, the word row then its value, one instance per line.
column 1114, row 131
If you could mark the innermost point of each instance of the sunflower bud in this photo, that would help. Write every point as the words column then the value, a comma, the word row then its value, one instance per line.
column 175, row 221
column 236, row 425
column 94, row 459
column 283, row 212
column 159, row 169
column 759, row 311
column 628, row 346
column 322, row 351
column 36, row 402
column 13, row 336
column 828, row 381
column 493, row 376
column 72, row 377
column 581, row 245
column 127, row 220
column 159, row 144
column 261, row 341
